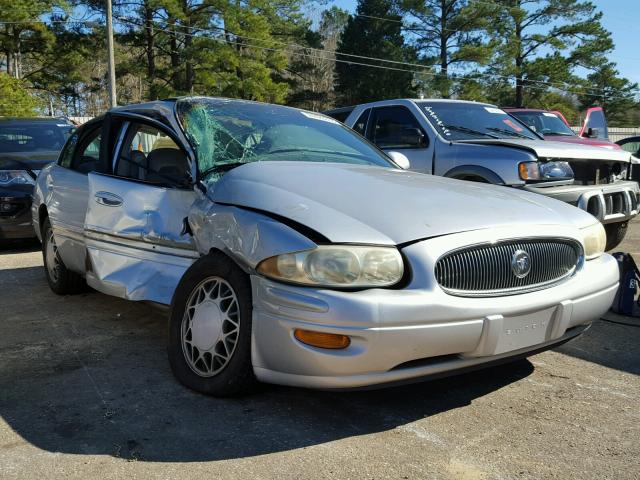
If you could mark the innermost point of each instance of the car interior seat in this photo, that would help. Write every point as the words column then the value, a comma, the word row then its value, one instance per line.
column 167, row 166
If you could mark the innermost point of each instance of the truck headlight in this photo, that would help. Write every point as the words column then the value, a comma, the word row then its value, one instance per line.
column 15, row 177
column 545, row 171
column 595, row 240
column 345, row 266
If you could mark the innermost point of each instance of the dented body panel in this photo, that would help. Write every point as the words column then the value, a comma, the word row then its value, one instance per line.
column 134, row 238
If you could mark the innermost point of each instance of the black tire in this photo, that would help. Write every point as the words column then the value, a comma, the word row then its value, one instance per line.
column 236, row 377
column 615, row 234
column 62, row 280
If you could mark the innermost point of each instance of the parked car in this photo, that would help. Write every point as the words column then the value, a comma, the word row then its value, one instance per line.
column 631, row 145
column 293, row 251
column 26, row 145
column 553, row 126
column 482, row 143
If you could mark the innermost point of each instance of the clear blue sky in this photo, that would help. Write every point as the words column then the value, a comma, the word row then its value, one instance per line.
column 619, row 17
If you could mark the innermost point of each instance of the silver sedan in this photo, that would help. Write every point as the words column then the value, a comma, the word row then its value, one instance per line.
column 290, row 250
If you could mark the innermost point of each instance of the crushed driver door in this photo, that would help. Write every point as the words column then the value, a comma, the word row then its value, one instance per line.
column 138, row 242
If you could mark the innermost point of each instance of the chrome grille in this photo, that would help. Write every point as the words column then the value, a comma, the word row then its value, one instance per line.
column 486, row 269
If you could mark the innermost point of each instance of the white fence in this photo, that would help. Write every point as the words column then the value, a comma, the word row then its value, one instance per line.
column 617, row 133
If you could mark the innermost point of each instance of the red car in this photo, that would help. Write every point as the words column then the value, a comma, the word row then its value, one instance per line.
column 553, row 126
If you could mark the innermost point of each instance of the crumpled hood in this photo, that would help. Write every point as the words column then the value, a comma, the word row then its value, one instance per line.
column 590, row 142
column 554, row 149
column 375, row 205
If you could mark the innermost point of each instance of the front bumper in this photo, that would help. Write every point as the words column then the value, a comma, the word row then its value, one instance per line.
column 15, row 215
column 609, row 203
column 399, row 336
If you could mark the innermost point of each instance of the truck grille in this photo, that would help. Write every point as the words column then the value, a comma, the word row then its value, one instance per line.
column 507, row 267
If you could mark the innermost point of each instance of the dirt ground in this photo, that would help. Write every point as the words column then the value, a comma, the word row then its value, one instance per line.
column 86, row 392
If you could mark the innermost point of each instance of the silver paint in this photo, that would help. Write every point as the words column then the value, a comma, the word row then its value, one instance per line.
column 140, row 249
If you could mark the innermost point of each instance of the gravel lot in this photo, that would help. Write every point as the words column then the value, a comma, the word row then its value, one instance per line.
column 86, row 392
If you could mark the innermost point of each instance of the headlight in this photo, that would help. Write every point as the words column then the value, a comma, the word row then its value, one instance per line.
column 337, row 266
column 15, row 177
column 595, row 239
column 545, row 171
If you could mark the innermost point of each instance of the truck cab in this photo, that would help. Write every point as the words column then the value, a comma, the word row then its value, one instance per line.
column 482, row 143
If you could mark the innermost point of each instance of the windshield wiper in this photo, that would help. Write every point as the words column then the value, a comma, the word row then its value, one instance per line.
column 315, row 150
column 563, row 134
column 462, row 129
column 509, row 132
column 222, row 167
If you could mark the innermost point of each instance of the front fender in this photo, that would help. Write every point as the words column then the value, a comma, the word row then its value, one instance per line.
column 496, row 163
column 245, row 235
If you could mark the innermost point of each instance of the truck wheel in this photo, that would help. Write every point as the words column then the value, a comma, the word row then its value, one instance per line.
column 210, row 329
column 61, row 280
column 615, row 234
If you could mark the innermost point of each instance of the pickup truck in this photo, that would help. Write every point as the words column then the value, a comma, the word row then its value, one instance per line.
column 482, row 143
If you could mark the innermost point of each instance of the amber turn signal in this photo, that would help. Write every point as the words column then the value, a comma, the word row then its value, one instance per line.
column 322, row 339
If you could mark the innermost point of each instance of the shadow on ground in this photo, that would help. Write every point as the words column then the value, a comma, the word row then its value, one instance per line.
column 611, row 341
column 88, row 374
column 10, row 247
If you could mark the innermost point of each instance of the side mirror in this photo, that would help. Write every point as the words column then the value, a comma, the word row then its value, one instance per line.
column 412, row 137
column 400, row 159
column 593, row 132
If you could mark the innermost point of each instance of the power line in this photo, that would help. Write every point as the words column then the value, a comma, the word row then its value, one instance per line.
column 560, row 86
column 319, row 57
column 424, row 69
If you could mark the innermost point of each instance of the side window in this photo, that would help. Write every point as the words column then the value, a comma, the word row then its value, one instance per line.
column 150, row 155
column 396, row 127
column 86, row 157
column 67, row 152
column 632, row 147
column 361, row 124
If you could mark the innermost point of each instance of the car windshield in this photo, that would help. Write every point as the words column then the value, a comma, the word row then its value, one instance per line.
column 467, row 121
column 33, row 137
column 227, row 133
column 546, row 123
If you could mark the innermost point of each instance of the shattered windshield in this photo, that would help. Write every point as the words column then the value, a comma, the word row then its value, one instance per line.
column 470, row 121
column 228, row 133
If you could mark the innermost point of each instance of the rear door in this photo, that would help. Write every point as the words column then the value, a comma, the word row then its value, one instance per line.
column 138, row 241
column 67, row 191
column 395, row 128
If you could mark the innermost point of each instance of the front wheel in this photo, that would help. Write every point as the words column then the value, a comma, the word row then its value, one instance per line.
column 210, row 329
column 615, row 234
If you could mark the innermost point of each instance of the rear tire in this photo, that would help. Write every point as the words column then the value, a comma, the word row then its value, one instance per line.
column 615, row 234
column 210, row 329
column 61, row 280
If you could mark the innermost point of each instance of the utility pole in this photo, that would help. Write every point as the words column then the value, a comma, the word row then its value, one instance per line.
column 112, row 64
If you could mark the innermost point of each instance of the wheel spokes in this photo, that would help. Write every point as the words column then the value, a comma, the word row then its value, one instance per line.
column 211, row 361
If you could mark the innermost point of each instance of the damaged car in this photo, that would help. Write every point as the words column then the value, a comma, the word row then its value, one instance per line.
column 292, row 251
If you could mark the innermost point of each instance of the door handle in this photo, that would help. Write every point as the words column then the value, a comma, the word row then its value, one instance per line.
column 108, row 199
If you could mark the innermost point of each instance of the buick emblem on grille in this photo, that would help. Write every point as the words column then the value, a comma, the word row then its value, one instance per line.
column 520, row 263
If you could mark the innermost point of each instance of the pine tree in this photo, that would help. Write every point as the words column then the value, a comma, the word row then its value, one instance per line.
column 448, row 33
column 376, row 31
column 542, row 42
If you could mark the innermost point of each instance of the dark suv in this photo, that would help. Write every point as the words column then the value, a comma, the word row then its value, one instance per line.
column 26, row 145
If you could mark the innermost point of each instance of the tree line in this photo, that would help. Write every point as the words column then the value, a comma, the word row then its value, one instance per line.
column 548, row 54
